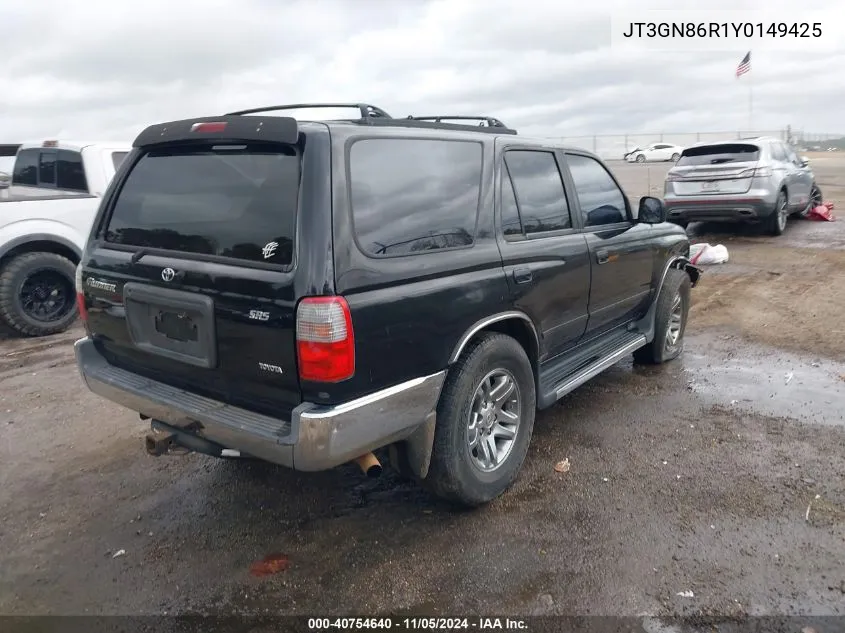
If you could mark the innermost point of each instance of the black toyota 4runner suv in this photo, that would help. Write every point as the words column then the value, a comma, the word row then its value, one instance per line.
column 306, row 292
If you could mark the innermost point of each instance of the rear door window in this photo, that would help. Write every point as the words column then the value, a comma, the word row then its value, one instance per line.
column 213, row 201
column 511, row 222
column 539, row 191
column 26, row 168
column 719, row 154
column 414, row 196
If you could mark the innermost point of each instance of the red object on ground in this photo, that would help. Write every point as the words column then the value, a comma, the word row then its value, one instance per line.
column 822, row 213
column 269, row 565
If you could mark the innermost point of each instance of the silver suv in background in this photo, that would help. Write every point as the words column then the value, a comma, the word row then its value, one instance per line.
column 759, row 180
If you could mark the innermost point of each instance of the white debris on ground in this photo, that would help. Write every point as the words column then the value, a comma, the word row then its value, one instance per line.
column 707, row 254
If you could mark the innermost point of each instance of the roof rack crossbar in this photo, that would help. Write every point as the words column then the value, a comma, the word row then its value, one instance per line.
column 366, row 110
column 491, row 121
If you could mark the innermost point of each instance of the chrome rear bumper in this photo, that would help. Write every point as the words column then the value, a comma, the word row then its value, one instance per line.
column 317, row 437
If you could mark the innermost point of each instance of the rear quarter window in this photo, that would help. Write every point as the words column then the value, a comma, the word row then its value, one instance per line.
column 718, row 154
column 237, row 202
column 413, row 196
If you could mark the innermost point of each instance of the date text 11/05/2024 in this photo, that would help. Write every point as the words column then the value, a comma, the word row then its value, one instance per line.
column 800, row 30
column 418, row 624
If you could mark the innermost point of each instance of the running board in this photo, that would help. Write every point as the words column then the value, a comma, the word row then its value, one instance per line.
column 560, row 377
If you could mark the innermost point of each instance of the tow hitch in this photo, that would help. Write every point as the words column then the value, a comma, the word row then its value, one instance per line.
column 166, row 439
column 159, row 444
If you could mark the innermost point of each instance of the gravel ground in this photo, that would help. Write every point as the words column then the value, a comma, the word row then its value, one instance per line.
column 718, row 474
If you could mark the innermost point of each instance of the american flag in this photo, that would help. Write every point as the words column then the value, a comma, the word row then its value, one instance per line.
column 744, row 65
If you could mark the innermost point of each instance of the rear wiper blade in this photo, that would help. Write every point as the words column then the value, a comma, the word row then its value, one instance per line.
column 141, row 252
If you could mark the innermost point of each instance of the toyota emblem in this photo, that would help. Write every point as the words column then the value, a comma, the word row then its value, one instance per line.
column 168, row 274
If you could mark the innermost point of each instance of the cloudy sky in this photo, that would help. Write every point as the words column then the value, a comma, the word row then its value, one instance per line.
column 97, row 69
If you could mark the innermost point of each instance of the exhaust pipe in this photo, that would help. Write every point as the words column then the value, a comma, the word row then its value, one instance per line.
column 369, row 465
column 157, row 444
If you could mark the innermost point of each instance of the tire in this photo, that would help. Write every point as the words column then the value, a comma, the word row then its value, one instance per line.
column 456, row 473
column 640, row 158
column 675, row 157
column 46, row 273
column 780, row 214
column 816, row 199
column 664, row 348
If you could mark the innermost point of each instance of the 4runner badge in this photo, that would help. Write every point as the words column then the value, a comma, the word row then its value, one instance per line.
column 168, row 274
column 101, row 285
column 269, row 249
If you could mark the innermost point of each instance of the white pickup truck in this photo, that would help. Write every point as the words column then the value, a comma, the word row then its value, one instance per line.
column 45, row 217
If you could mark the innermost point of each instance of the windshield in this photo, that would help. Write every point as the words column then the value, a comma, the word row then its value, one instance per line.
column 223, row 201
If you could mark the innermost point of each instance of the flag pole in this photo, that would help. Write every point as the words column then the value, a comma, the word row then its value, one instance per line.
column 750, row 102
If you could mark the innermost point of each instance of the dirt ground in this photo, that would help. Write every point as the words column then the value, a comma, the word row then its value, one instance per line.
column 786, row 291
column 711, row 486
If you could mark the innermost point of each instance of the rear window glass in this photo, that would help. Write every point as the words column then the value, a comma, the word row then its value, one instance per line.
column 414, row 195
column 236, row 202
column 717, row 154
column 47, row 168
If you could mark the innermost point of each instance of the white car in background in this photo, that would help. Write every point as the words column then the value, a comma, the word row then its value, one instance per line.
column 654, row 153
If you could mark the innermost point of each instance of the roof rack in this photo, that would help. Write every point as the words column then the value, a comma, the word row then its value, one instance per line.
column 373, row 115
column 366, row 110
column 491, row 121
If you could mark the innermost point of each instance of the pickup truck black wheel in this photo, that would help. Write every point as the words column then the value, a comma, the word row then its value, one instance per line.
column 777, row 221
column 485, row 418
column 37, row 295
column 670, row 320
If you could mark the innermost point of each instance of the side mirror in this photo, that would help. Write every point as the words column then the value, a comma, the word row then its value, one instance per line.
column 651, row 211
column 803, row 161
column 5, row 180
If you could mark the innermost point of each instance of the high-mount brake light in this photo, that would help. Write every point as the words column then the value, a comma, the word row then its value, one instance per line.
column 325, row 343
column 80, row 295
column 209, row 127
column 50, row 144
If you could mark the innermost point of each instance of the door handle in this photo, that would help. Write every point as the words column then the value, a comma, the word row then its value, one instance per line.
column 602, row 257
column 522, row 275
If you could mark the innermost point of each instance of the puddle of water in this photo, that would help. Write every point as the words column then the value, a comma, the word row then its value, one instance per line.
column 765, row 380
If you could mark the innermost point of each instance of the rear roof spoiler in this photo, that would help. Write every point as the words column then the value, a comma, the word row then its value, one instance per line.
column 228, row 127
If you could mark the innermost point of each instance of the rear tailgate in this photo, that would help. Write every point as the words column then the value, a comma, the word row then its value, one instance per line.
column 191, row 278
column 725, row 168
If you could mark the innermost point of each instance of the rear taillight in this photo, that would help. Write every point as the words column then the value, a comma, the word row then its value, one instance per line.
column 758, row 172
column 672, row 176
column 80, row 295
column 325, row 343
